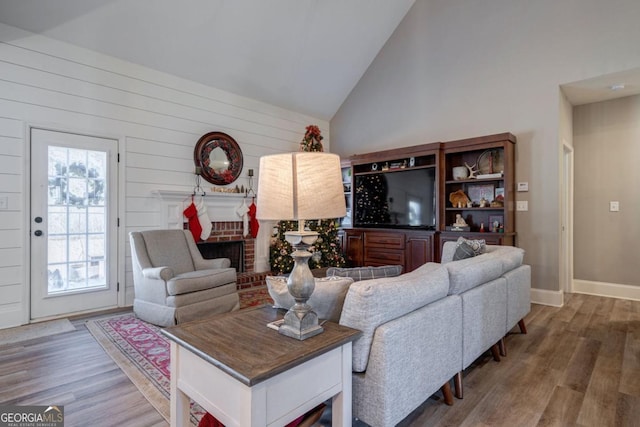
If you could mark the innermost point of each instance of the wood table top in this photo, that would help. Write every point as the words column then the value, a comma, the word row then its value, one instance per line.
column 240, row 343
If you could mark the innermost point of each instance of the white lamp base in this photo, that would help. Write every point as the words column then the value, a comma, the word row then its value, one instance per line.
column 301, row 322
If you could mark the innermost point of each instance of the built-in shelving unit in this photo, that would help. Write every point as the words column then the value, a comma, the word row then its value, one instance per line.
column 489, row 213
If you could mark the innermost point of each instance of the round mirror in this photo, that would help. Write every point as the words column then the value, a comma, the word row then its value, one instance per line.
column 219, row 158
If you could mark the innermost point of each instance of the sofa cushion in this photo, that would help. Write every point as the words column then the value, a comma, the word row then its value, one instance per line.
column 327, row 298
column 471, row 272
column 510, row 256
column 200, row 279
column 371, row 303
column 365, row 273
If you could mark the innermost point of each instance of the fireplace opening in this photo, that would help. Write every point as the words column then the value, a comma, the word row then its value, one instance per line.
column 232, row 249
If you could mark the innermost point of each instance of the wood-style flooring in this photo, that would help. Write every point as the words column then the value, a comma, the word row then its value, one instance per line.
column 579, row 365
column 72, row 369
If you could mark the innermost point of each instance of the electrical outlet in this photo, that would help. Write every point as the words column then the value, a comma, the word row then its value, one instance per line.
column 4, row 202
column 614, row 206
column 522, row 205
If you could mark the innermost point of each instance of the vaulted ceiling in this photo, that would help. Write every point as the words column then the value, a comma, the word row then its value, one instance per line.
column 302, row 55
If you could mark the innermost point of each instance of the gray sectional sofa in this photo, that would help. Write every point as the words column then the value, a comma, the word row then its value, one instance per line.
column 495, row 292
column 423, row 328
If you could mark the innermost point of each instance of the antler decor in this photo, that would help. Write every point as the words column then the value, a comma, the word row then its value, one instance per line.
column 472, row 173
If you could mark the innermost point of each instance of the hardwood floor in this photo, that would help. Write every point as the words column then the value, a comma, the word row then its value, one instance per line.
column 578, row 366
column 72, row 369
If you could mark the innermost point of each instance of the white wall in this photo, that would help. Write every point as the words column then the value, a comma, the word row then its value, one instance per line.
column 607, row 152
column 157, row 117
column 462, row 68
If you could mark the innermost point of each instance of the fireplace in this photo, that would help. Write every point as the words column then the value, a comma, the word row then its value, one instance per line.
column 254, row 266
column 232, row 249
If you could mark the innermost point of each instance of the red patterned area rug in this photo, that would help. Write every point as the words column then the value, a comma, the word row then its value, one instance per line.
column 142, row 352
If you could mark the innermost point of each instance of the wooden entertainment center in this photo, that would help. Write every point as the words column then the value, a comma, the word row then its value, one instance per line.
column 410, row 227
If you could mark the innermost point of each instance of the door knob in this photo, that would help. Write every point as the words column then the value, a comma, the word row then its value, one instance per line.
column 38, row 232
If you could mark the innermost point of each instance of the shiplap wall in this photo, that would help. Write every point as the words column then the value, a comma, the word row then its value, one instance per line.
column 156, row 117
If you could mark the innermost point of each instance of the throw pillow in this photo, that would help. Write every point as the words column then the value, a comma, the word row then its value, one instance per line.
column 327, row 298
column 463, row 251
column 365, row 273
column 479, row 246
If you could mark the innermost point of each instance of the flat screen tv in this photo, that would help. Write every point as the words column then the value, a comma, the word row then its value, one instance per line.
column 402, row 198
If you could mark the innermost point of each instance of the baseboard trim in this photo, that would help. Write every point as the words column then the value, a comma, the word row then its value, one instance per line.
column 546, row 297
column 603, row 289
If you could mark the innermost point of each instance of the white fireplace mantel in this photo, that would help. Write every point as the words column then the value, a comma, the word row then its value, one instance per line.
column 221, row 207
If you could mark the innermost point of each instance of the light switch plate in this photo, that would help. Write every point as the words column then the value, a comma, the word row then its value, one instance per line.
column 614, row 206
column 522, row 205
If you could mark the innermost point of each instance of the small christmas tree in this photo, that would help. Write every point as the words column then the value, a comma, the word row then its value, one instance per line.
column 372, row 205
column 326, row 250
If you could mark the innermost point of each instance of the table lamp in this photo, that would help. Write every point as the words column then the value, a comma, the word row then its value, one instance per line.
column 300, row 186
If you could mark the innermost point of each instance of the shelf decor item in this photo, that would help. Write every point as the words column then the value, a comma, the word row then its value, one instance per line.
column 472, row 170
column 458, row 199
column 496, row 223
column 491, row 163
column 297, row 187
column 460, row 172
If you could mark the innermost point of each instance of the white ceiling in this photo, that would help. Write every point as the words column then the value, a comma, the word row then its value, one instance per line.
column 302, row 55
column 603, row 88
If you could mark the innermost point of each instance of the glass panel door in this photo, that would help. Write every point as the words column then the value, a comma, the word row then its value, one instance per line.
column 73, row 228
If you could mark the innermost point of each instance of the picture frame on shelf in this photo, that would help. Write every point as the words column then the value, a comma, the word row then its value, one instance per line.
column 479, row 192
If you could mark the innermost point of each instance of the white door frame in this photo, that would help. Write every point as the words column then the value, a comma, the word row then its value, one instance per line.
column 121, row 234
column 566, row 219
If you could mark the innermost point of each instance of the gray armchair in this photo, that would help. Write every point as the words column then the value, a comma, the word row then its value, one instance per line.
column 173, row 283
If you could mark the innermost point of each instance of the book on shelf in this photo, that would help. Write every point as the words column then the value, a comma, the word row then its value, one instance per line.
column 489, row 175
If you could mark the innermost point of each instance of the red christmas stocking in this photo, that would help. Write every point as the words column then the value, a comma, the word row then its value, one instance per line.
column 194, row 224
column 253, row 221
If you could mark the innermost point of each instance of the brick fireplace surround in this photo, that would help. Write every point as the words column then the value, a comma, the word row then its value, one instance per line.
column 232, row 230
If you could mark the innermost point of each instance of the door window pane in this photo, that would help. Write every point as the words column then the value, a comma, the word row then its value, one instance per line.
column 57, row 222
column 57, row 247
column 76, row 219
column 97, row 220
